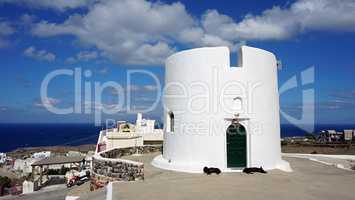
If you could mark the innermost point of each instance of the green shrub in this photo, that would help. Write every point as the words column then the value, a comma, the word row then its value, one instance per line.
column 5, row 181
column 310, row 136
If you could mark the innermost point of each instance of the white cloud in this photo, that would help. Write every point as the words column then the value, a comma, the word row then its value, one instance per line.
column 143, row 32
column 6, row 30
column 143, row 88
column 60, row 5
column 150, row 87
column 136, row 88
column 344, row 94
column 282, row 23
column 27, row 19
column 92, row 105
column 71, row 60
column 151, row 54
column 3, row 108
column 32, row 52
column 47, row 102
column 3, row 43
column 133, row 87
column 86, row 55
column 83, row 56
column 127, row 31
column 103, row 70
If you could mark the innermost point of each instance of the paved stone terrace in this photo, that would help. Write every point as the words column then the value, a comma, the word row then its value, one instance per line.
column 310, row 180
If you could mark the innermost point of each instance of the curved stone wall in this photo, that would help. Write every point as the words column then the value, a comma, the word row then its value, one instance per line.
column 108, row 166
column 113, row 169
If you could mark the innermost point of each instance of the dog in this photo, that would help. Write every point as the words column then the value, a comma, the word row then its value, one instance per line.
column 211, row 170
column 251, row 170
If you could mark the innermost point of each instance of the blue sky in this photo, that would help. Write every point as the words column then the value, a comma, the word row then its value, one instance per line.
column 111, row 37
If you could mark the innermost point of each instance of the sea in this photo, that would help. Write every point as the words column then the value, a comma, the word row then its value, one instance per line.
column 13, row 136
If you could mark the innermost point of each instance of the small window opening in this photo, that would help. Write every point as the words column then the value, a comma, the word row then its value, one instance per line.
column 170, row 122
column 236, row 59
column 233, row 57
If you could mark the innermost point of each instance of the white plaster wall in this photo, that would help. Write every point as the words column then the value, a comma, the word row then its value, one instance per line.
column 197, row 72
column 27, row 187
column 25, row 165
column 265, row 139
column 157, row 136
column 123, row 141
column 185, row 71
column 147, row 128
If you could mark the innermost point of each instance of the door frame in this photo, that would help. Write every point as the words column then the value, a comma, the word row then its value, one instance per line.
column 248, row 150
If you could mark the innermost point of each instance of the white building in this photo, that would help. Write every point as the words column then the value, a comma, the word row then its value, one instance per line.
column 25, row 166
column 74, row 154
column 129, row 135
column 27, row 187
column 2, row 158
column 144, row 126
column 348, row 135
column 43, row 154
column 218, row 115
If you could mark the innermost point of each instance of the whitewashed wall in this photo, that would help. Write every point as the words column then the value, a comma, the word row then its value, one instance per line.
column 199, row 137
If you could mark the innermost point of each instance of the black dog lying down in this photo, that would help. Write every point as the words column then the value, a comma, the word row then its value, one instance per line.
column 251, row 170
column 211, row 170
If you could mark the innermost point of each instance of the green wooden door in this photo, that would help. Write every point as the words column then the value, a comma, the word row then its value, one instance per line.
column 236, row 146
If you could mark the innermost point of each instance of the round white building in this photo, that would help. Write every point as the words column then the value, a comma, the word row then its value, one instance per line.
column 221, row 116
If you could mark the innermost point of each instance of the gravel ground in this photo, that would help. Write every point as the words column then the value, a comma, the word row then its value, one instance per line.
column 319, row 150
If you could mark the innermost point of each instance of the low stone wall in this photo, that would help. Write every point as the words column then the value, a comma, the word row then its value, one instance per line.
column 106, row 169
column 118, row 153
column 108, row 166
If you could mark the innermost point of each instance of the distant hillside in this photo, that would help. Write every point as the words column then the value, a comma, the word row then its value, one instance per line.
column 21, row 152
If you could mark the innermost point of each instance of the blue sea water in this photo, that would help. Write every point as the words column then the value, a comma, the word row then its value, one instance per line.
column 13, row 136
column 32, row 135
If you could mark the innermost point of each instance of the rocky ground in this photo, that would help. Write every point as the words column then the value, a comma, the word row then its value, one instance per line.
column 296, row 148
column 290, row 148
column 310, row 180
column 21, row 152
